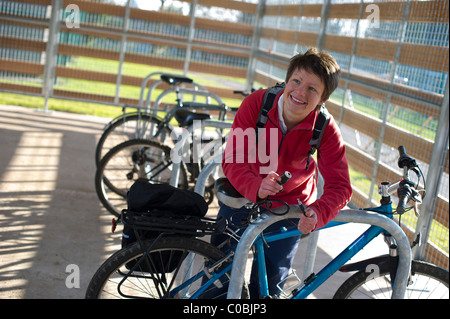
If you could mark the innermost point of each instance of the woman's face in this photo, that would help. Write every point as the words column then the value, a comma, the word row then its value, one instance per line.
column 302, row 94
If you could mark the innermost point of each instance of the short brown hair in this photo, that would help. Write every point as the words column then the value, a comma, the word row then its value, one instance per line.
column 320, row 63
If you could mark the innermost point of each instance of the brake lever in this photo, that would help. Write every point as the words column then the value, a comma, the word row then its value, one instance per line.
column 417, row 199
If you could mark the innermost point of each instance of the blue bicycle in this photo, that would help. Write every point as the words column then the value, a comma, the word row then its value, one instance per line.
column 176, row 263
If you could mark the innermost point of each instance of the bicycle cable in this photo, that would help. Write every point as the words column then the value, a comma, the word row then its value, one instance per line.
column 255, row 212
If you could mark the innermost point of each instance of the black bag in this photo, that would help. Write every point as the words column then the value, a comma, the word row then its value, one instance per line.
column 144, row 196
column 158, row 200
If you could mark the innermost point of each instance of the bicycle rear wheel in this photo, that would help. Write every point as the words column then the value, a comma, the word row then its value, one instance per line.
column 128, row 127
column 427, row 282
column 177, row 260
column 131, row 160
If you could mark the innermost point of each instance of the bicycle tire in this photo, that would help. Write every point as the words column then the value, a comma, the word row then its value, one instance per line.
column 367, row 284
column 129, row 161
column 110, row 281
column 124, row 128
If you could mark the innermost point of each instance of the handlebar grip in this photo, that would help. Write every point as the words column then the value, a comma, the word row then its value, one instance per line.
column 404, row 193
column 405, row 160
column 402, row 151
column 284, row 178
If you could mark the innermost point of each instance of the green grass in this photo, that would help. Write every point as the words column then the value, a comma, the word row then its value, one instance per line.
column 109, row 89
column 414, row 122
column 36, row 102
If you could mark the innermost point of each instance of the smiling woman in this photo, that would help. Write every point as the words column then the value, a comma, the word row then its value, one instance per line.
column 311, row 78
column 303, row 93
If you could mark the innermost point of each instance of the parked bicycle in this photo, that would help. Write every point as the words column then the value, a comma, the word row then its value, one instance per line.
column 157, row 163
column 147, row 123
column 178, row 264
column 123, row 144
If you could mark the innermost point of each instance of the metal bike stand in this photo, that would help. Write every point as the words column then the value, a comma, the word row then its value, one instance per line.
column 196, row 93
column 157, row 82
column 313, row 238
column 350, row 215
column 209, row 168
column 185, row 138
column 310, row 254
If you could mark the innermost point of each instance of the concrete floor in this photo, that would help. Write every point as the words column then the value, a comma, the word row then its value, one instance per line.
column 52, row 226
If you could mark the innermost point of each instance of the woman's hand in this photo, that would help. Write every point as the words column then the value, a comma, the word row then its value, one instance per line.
column 308, row 221
column 269, row 185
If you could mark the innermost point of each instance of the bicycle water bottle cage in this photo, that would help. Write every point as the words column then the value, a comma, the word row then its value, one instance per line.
column 186, row 118
column 173, row 79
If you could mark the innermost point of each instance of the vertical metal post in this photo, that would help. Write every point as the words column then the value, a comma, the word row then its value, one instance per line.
column 313, row 238
column 299, row 27
column 436, row 168
column 251, row 69
column 384, row 115
column 350, row 65
column 187, row 58
column 320, row 43
column 123, row 48
column 50, row 52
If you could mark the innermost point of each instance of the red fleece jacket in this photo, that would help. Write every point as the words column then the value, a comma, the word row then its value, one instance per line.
column 245, row 164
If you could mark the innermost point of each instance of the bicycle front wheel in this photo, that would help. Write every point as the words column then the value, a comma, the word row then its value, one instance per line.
column 129, row 161
column 427, row 282
column 168, row 263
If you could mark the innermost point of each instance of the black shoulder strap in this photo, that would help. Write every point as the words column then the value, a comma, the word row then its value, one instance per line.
column 319, row 128
column 268, row 100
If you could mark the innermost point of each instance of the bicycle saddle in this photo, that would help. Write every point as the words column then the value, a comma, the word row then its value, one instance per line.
column 174, row 79
column 228, row 195
column 186, row 117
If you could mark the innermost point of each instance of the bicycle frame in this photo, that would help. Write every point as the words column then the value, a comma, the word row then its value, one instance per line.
column 380, row 222
column 380, row 217
column 312, row 282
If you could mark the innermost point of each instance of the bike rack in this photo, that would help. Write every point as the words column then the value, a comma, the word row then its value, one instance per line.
column 194, row 92
column 183, row 143
column 347, row 216
column 208, row 169
column 157, row 82
column 313, row 238
column 344, row 216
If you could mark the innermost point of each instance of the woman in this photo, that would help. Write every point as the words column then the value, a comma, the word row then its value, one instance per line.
column 310, row 79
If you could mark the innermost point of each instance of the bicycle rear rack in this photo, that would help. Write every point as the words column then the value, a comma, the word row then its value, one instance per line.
column 170, row 223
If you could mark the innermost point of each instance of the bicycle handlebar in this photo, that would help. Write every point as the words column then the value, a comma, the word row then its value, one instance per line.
column 405, row 161
column 406, row 190
column 404, row 193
